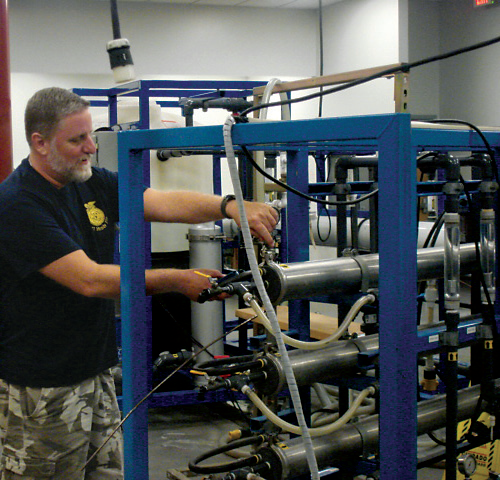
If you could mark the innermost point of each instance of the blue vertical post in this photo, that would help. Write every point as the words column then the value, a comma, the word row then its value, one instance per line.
column 298, row 249
column 133, row 310
column 398, row 304
column 144, row 124
column 298, row 227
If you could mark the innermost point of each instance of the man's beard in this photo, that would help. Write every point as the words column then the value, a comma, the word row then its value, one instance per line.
column 76, row 172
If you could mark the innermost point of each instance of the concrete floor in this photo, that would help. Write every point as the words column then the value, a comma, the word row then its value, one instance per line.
column 179, row 434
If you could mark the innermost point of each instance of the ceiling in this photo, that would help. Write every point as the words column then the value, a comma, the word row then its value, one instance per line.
column 248, row 3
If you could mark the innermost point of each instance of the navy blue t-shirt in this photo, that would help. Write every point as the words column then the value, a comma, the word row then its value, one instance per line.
column 49, row 335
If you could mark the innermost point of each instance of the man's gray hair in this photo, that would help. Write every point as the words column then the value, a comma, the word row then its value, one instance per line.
column 47, row 107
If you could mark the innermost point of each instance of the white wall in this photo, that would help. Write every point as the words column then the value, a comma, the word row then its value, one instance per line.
column 424, row 41
column 66, row 47
column 23, row 85
column 166, row 39
column 360, row 34
column 469, row 82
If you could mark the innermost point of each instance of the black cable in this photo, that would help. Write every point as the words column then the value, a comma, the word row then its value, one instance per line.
column 430, row 241
column 115, row 20
column 228, row 370
column 226, row 467
column 298, row 192
column 435, row 439
column 361, row 223
column 390, row 71
column 237, row 406
column 435, row 236
column 323, row 240
column 155, row 389
column 225, row 361
column 321, row 55
column 436, row 227
column 491, row 153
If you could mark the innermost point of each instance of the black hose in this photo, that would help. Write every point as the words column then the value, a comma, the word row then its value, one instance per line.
column 226, row 467
column 329, row 226
column 115, row 21
column 239, row 367
column 390, row 71
column 298, row 192
column 491, row 153
column 321, row 54
column 435, row 439
column 225, row 361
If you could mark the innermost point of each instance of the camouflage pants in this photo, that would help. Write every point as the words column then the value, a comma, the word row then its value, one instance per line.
column 49, row 433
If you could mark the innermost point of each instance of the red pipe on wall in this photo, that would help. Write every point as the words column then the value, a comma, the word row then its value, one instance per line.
column 5, row 102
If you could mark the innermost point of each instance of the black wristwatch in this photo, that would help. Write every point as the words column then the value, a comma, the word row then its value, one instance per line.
column 224, row 203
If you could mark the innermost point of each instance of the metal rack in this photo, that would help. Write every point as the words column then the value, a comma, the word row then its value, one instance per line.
column 166, row 92
column 397, row 144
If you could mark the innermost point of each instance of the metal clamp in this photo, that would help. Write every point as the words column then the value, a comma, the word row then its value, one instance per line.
column 367, row 282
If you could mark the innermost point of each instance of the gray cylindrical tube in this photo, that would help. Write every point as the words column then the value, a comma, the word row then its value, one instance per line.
column 346, row 275
column 360, row 438
column 205, row 251
column 339, row 359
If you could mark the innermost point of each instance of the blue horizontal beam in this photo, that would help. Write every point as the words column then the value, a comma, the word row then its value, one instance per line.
column 428, row 339
column 345, row 131
column 161, row 87
column 426, row 139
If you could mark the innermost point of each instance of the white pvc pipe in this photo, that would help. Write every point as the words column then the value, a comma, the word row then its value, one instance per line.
column 327, row 230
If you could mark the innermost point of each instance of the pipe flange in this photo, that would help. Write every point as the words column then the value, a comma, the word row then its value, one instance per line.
column 452, row 188
column 277, row 449
column 488, row 187
column 275, row 376
column 367, row 280
column 205, row 238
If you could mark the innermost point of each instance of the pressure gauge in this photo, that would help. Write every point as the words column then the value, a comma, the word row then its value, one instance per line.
column 467, row 464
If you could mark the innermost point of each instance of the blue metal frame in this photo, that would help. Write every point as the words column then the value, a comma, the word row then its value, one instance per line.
column 161, row 89
column 397, row 144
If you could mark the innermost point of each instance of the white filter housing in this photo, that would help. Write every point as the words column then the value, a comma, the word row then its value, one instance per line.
column 327, row 230
column 193, row 173
column 205, row 251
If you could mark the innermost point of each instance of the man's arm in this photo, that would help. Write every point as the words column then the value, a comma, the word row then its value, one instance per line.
column 196, row 207
column 79, row 273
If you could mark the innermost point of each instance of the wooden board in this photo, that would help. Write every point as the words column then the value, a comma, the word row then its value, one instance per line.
column 322, row 326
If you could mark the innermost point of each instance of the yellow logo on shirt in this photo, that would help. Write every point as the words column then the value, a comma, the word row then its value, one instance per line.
column 97, row 217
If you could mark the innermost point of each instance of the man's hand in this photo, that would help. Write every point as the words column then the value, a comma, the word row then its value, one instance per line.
column 192, row 282
column 262, row 219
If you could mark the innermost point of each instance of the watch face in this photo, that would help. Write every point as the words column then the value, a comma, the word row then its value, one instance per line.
column 467, row 464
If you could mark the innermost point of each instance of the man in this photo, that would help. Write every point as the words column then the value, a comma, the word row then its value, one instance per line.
column 57, row 285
